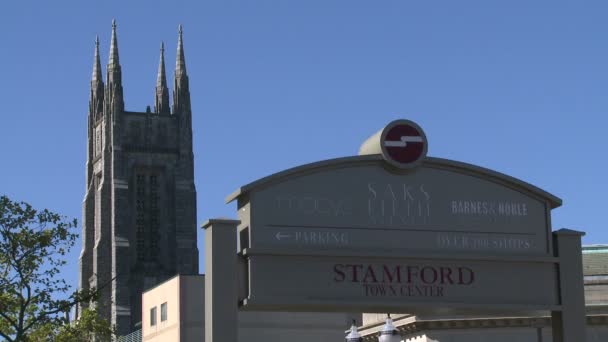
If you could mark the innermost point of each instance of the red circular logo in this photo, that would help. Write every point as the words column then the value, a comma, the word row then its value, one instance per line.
column 403, row 143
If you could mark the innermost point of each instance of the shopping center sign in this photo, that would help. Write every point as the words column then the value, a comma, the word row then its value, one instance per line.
column 393, row 230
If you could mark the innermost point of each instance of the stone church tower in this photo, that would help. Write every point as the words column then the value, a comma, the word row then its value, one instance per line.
column 139, row 211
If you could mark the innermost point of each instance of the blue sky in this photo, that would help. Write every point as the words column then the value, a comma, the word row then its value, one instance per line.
column 520, row 87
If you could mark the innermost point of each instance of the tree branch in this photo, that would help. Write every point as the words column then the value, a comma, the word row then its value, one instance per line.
column 9, row 319
column 8, row 338
column 69, row 305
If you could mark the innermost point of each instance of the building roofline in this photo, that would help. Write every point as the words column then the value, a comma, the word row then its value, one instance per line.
column 168, row 280
column 598, row 248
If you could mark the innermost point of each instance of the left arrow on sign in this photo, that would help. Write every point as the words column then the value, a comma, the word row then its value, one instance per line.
column 280, row 236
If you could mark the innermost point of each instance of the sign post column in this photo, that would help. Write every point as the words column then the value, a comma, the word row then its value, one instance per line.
column 221, row 303
column 569, row 323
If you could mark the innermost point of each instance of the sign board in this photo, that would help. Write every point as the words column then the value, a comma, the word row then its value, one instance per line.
column 398, row 285
column 394, row 230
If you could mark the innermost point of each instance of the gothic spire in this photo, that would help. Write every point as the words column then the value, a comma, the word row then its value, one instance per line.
column 162, row 92
column 114, row 63
column 180, row 63
column 96, row 101
column 114, row 79
column 181, row 92
column 97, row 63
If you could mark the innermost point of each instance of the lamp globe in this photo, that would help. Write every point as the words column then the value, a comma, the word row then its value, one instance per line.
column 389, row 333
column 353, row 335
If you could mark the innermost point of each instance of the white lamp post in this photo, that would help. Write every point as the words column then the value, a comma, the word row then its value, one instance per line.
column 353, row 335
column 389, row 333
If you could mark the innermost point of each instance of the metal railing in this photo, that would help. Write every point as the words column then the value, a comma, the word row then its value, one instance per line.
column 132, row 337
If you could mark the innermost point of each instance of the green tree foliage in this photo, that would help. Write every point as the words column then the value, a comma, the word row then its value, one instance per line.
column 33, row 245
column 89, row 327
column 90, row 324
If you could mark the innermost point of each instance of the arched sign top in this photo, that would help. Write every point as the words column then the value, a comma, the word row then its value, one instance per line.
column 428, row 163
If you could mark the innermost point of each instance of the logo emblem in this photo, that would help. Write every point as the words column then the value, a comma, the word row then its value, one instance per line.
column 403, row 144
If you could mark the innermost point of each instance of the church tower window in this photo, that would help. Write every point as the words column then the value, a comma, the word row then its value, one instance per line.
column 154, row 217
column 140, row 221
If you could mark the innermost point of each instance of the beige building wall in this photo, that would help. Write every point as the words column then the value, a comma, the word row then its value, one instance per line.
column 596, row 291
column 164, row 330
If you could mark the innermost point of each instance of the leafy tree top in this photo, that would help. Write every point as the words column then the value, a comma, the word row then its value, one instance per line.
column 33, row 245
